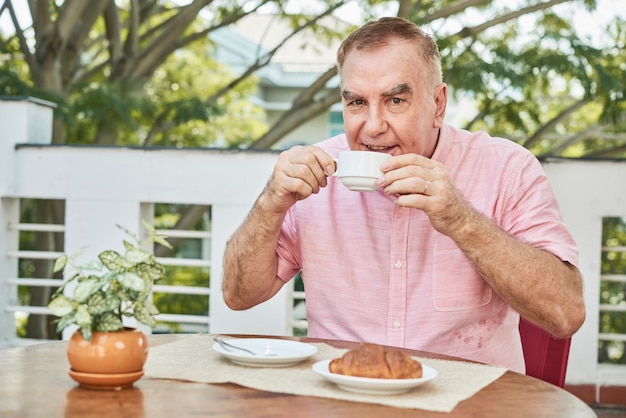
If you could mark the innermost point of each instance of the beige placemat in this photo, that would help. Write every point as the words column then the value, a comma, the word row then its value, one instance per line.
column 193, row 359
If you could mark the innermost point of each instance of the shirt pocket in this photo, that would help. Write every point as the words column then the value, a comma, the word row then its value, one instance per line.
column 457, row 285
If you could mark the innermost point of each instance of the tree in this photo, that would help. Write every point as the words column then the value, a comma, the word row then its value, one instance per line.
column 551, row 91
column 98, row 60
column 546, row 88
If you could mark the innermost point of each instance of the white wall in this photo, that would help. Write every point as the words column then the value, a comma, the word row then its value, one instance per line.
column 588, row 191
column 106, row 186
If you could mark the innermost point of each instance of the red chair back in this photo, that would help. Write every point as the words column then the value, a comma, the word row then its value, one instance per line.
column 546, row 357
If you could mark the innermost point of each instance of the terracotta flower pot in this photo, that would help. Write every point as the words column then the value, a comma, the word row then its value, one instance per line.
column 111, row 360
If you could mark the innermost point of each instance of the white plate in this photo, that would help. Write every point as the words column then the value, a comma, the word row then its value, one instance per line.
column 372, row 386
column 283, row 352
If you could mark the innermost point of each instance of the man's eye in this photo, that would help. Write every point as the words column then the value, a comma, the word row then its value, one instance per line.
column 358, row 102
column 396, row 100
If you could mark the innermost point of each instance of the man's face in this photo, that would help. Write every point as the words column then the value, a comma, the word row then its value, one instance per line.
column 389, row 104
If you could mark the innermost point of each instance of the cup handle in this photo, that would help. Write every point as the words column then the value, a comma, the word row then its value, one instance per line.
column 336, row 167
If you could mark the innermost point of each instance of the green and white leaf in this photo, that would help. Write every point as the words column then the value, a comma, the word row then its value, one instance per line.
column 131, row 281
column 112, row 260
column 59, row 263
column 86, row 331
column 83, row 317
column 78, row 253
column 129, row 233
column 86, row 288
column 60, row 306
column 109, row 322
column 128, row 246
column 103, row 302
column 151, row 308
column 152, row 272
column 135, row 256
column 66, row 321
column 161, row 239
column 143, row 315
column 93, row 265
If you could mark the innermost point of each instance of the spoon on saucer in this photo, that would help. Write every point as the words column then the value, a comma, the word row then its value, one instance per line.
column 230, row 347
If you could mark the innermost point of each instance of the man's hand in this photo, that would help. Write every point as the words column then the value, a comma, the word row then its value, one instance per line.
column 424, row 184
column 300, row 172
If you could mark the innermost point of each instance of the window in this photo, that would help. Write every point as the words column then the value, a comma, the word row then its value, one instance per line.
column 335, row 120
column 39, row 243
column 182, row 296
column 612, row 336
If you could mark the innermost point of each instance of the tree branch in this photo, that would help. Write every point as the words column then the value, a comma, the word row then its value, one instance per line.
column 455, row 8
column 160, row 47
column 473, row 30
column 294, row 118
column 74, row 45
column 30, row 59
column 41, row 17
column 551, row 124
column 307, row 95
column 70, row 16
column 113, row 29
column 593, row 130
column 131, row 45
column 262, row 61
column 608, row 153
column 231, row 18
column 189, row 218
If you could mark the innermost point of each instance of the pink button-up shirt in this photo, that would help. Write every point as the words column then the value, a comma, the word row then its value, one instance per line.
column 379, row 273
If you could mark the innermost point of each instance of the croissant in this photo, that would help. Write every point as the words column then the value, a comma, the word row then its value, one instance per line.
column 372, row 360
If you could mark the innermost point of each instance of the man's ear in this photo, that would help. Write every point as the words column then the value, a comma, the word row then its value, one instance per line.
column 441, row 100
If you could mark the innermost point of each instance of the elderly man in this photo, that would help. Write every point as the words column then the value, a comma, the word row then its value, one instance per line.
column 462, row 237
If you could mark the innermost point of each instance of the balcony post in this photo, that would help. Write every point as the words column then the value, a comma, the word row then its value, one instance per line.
column 23, row 120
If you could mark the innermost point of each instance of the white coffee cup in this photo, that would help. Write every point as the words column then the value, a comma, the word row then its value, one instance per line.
column 359, row 170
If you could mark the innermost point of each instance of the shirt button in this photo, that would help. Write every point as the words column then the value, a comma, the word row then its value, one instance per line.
column 398, row 264
column 396, row 324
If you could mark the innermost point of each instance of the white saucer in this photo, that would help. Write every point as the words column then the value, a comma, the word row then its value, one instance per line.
column 272, row 352
column 372, row 386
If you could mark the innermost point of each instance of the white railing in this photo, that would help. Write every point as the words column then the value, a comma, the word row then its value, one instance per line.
column 33, row 255
column 182, row 319
column 105, row 186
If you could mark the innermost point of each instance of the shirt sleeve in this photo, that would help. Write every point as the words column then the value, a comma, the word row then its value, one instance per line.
column 288, row 248
column 532, row 213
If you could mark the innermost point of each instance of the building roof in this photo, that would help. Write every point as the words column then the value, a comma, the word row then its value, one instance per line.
column 297, row 63
column 304, row 52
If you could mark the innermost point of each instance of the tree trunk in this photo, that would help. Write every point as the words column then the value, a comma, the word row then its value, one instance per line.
column 189, row 218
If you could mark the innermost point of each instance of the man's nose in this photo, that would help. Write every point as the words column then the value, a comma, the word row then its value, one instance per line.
column 376, row 122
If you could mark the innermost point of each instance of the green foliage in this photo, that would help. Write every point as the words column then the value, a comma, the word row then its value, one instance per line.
column 98, row 106
column 167, row 216
column 184, row 110
column 109, row 288
column 181, row 303
column 527, row 72
column 148, row 77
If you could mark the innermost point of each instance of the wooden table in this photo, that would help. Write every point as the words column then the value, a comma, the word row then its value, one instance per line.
column 34, row 383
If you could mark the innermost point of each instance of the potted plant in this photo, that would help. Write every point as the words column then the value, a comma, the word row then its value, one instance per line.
column 103, row 352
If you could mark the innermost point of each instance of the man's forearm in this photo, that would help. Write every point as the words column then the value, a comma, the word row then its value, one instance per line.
column 541, row 287
column 250, row 261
